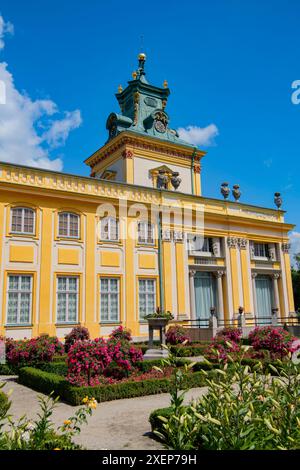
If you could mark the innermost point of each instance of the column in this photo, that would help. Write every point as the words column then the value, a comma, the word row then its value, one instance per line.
column 275, row 278
column 219, row 275
column 253, row 275
column 192, row 295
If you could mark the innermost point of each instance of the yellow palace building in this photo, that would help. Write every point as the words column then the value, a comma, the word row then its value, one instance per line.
column 99, row 251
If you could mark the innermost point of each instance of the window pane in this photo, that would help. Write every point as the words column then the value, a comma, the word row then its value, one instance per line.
column 74, row 225
column 72, row 307
column 104, row 306
column 142, row 305
column 72, row 284
column 12, row 308
column 63, row 225
column 61, row 307
column 28, row 220
column 62, row 283
column 19, row 299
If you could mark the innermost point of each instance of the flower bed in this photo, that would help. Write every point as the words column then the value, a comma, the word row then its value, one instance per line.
column 145, row 383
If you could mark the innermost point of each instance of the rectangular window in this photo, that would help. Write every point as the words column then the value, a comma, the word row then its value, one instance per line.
column 261, row 250
column 147, row 297
column 109, row 229
column 146, row 233
column 19, row 299
column 22, row 220
column 68, row 225
column 67, row 299
column 200, row 243
column 109, row 299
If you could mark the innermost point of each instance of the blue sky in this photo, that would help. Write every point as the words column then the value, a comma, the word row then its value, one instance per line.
column 228, row 63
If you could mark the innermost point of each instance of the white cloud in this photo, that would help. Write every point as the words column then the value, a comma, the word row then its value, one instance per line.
column 5, row 28
column 199, row 135
column 28, row 129
column 295, row 245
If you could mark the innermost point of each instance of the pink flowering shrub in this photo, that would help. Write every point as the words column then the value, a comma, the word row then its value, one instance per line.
column 274, row 339
column 176, row 335
column 120, row 333
column 231, row 334
column 124, row 357
column 91, row 360
column 220, row 348
column 78, row 333
column 30, row 351
column 86, row 362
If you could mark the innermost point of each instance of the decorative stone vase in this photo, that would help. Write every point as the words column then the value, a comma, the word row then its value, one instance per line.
column 175, row 180
column 236, row 192
column 278, row 200
column 225, row 190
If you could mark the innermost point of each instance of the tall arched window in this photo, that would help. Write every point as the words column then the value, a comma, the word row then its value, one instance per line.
column 68, row 225
column 23, row 220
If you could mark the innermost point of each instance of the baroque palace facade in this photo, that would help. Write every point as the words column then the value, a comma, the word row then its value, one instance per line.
column 67, row 258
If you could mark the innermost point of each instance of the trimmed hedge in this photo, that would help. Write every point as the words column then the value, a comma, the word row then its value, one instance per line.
column 59, row 368
column 47, row 382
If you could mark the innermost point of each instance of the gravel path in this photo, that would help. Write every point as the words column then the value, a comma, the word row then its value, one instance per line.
column 119, row 424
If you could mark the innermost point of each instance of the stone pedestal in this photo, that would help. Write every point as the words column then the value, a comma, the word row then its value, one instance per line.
column 160, row 325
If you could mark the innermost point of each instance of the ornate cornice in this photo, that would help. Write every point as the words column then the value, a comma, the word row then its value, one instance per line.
column 142, row 143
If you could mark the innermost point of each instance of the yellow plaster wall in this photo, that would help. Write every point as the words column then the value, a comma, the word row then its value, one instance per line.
column 147, row 261
column 21, row 254
column 91, row 315
column 131, row 298
column 287, row 262
column 68, row 256
column 110, row 259
column 234, row 279
column 245, row 280
column 168, row 275
column 179, row 254
column 45, row 322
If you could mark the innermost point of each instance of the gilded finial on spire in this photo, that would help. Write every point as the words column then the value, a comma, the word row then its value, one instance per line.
column 120, row 89
column 134, row 75
column 165, row 84
column 142, row 56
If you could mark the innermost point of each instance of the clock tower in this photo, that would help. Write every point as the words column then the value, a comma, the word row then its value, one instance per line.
column 142, row 148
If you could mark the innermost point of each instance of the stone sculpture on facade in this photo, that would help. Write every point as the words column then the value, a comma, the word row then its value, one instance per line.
column 162, row 180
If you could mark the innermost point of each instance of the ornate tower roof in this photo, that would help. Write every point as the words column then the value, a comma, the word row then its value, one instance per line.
column 142, row 108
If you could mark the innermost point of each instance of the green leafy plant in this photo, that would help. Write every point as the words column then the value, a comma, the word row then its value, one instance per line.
column 160, row 314
column 41, row 433
column 240, row 410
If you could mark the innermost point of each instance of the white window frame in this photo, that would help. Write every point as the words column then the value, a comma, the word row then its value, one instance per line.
column 19, row 291
column 199, row 252
column 23, row 209
column 108, row 293
column 67, row 292
column 147, row 294
column 68, row 225
column 109, row 221
column 145, row 240
column 265, row 250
